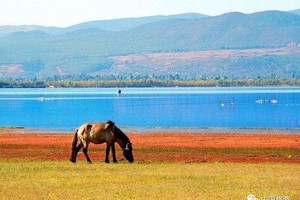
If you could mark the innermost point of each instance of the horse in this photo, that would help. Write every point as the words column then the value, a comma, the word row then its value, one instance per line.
column 99, row 133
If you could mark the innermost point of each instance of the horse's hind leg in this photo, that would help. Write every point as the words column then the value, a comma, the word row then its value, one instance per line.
column 77, row 149
column 85, row 151
column 74, row 153
column 113, row 149
column 73, row 157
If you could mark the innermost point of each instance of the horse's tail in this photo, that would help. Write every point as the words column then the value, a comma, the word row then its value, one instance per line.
column 75, row 139
column 74, row 143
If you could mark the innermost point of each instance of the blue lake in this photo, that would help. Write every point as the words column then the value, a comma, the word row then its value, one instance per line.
column 67, row 108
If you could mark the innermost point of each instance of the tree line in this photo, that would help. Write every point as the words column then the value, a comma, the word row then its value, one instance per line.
column 144, row 82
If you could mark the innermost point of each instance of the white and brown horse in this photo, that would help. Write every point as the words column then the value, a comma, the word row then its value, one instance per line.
column 99, row 133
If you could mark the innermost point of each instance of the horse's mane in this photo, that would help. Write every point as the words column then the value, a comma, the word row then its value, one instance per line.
column 118, row 133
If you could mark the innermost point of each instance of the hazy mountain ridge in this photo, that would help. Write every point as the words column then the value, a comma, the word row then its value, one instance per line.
column 297, row 11
column 91, row 47
column 105, row 25
column 130, row 23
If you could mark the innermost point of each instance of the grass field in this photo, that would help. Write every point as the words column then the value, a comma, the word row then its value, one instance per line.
column 60, row 179
column 167, row 166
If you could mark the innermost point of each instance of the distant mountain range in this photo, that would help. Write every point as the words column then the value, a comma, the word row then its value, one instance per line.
column 296, row 11
column 105, row 25
column 97, row 47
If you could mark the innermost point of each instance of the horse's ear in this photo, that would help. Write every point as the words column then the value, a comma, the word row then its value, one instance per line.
column 111, row 126
column 110, row 123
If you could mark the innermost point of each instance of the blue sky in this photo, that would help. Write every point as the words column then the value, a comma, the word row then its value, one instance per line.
column 64, row 13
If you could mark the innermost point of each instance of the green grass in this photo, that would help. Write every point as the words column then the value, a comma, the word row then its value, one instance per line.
column 36, row 179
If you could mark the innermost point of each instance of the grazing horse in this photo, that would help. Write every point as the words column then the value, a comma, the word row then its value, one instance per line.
column 99, row 133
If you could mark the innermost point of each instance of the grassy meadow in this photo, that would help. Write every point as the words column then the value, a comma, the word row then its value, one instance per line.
column 60, row 179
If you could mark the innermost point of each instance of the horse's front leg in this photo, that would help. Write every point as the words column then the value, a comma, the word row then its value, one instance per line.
column 107, row 153
column 113, row 149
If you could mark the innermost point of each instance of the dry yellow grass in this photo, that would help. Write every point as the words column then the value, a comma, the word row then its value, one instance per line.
column 37, row 179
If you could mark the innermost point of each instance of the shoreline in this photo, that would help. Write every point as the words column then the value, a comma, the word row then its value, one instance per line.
column 215, row 130
column 175, row 130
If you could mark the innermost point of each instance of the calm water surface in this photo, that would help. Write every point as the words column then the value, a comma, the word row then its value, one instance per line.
column 67, row 108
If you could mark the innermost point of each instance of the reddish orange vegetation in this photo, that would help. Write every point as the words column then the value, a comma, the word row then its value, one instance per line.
column 178, row 147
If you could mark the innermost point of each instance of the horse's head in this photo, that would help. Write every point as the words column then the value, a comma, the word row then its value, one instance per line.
column 127, row 152
column 122, row 139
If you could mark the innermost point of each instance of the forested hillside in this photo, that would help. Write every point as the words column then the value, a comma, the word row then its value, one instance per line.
column 235, row 45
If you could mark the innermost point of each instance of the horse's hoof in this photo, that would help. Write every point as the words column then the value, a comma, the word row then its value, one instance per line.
column 107, row 161
column 73, row 161
column 89, row 162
